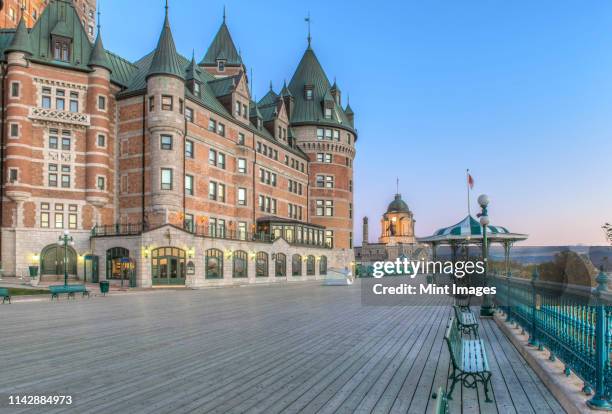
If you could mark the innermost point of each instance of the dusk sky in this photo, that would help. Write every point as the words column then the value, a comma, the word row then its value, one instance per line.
column 519, row 92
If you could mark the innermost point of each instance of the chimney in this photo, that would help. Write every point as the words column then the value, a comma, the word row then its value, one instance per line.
column 365, row 231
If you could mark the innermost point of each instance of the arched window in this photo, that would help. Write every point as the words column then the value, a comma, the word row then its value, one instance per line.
column 214, row 264
column 310, row 265
column 281, row 265
column 241, row 263
column 261, row 265
column 296, row 265
column 323, row 265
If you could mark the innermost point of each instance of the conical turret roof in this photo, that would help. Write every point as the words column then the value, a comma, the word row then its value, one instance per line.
column 166, row 60
column 222, row 48
column 98, row 56
column 21, row 40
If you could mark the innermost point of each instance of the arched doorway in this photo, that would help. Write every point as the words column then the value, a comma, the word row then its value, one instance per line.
column 168, row 266
column 52, row 260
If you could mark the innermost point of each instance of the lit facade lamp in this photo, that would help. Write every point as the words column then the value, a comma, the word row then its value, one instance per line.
column 486, row 309
column 64, row 241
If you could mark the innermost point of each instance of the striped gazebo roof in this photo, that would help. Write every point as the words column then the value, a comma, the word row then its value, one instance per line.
column 469, row 229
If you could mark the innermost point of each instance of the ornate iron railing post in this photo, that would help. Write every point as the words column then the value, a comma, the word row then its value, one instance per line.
column 599, row 400
column 508, row 298
column 533, row 338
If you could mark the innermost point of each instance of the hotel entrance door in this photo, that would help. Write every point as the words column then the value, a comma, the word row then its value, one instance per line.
column 168, row 266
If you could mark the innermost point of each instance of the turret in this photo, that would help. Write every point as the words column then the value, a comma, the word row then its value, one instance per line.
column 366, row 231
column 288, row 99
column 166, row 126
column 222, row 58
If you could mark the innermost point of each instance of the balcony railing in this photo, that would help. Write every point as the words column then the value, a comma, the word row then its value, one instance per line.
column 573, row 322
column 213, row 232
column 51, row 115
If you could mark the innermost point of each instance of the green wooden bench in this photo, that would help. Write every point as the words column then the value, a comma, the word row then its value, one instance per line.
column 441, row 402
column 467, row 321
column 70, row 290
column 4, row 293
column 469, row 359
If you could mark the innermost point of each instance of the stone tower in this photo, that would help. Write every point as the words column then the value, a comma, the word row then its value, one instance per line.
column 366, row 231
column 165, row 132
column 325, row 132
column 397, row 224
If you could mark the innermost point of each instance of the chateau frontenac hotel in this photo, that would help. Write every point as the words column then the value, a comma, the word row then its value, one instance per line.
column 165, row 171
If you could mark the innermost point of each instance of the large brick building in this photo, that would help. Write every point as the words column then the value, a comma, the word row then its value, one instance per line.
column 11, row 11
column 166, row 169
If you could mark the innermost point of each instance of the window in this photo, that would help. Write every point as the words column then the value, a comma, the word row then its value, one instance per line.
column 13, row 175
column 238, row 108
column 189, row 149
column 212, row 190
column 245, row 111
column 328, row 134
column 72, row 221
column 46, row 98
column 74, row 102
column 59, row 220
column 242, row 165
column 336, row 135
column 242, row 230
column 320, row 133
column 189, row 114
column 261, row 265
column 166, row 142
column 329, row 238
column 167, row 103
column 351, row 186
column 15, row 89
column 328, row 113
column 310, row 265
column 212, row 227
column 325, row 208
column 350, row 210
column 296, row 265
column 189, row 223
column 308, row 92
column 101, row 183
column 196, row 88
column 240, row 264
column 166, row 179
column 53, row 140
column 44, row 219
column 181, row 106
column 212, row 157
column 329, row 181
column 65, row 176
column 14, row 130
column 66, row 142
column 212, row 125
column 221, row 160
column 280, row 265
column 241, row 139
column 61, row 49
column 52, row 175
column 221, row 65
column 323, row 265
column 102, row 141
column 214, row 264
column 151, row 103
column 221, row 129
column 221, row 195
column 102, row 103
column 189, row 184
column 242, row 196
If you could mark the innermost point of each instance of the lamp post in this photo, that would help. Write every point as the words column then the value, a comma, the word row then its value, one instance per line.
column 486, row 309
column 63, row 241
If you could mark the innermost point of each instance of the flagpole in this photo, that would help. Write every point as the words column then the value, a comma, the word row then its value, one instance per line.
column 467, row 181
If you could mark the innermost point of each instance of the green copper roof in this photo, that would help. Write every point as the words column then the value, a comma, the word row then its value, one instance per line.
column 223, row 86
column 166, row 60
column 285, row 91
column 398, row 205
column 310, row 72
column 222, row 47
column 98, row 55
column 269, row 99
column 21, row 40
column 192, row 70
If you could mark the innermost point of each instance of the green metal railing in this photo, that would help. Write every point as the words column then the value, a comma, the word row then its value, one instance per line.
column 573, row 322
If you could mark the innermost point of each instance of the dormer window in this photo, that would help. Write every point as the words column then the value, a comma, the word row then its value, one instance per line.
column 308, row 92
column 61, row 48
column 221, row 65
column 196, row 89
column 328, row 113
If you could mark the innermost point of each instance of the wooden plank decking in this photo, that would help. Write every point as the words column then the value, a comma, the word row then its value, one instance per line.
column 293, row 348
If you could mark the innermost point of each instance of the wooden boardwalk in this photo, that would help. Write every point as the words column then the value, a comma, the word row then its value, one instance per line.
column 292, row 348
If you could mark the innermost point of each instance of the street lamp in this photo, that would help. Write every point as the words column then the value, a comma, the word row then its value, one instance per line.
column 63, row 241
column 486, row 309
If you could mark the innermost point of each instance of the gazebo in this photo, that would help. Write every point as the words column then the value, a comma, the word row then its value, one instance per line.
column 469, row 232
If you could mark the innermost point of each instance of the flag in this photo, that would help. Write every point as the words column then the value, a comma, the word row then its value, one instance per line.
column 470, row 180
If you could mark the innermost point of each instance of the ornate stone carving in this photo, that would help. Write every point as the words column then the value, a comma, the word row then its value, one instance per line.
column 59, row 117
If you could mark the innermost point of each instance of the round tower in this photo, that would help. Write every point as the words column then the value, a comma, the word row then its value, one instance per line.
column 397, row 224
column 165, row 132
column 99, row 148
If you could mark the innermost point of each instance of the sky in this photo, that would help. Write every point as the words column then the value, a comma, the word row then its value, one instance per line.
column 519, row 92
